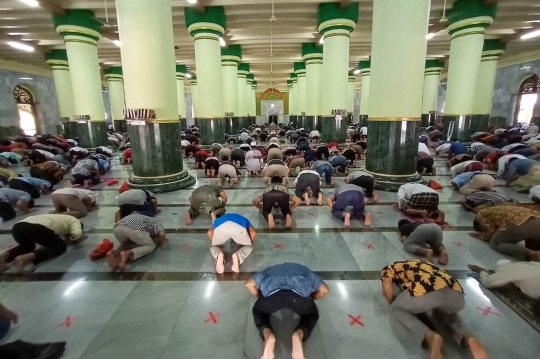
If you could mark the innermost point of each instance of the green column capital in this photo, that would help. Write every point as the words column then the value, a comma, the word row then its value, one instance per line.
column 211, row 21
column 250, row 77
column 181, row 70
column 231, row 53
column 352, row 78
column 492, row 49
column 78, row 22
column 193, row 80
column 332, row 17
column 365, row 67
column 113, row 73
column 293, row 76
column 289, row 83
column 312, row 53
column 433, row 67
column 300, row 69
column 469, row 14
column 57, row 59
column 243, row 70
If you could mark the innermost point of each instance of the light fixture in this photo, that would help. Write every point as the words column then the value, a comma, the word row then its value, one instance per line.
column 25, row 78
column 321, row 41
column 430, row 35
column 17, row 33
column 20, row 46
column 356, row 72
column 530, row 35
column 188, row 76
column 30, row 2
column 117, row 43
column 192, row 1
column 222, row 42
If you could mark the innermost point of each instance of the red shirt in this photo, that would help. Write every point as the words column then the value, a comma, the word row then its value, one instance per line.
column 127, row 153
column 333, row 144
column 204, row 153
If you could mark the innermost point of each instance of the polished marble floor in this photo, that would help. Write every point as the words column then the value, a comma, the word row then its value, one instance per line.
column 178, row 308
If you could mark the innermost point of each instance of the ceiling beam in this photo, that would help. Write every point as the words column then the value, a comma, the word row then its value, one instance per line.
column 51, row 6
column 520, row 33
column 344, row 4
column 199, row 6
column 34, row 44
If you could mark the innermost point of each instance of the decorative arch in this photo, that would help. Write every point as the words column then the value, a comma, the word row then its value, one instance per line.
column 27, row 98
column 272, row 94
column 528, row 87
column 22, row 95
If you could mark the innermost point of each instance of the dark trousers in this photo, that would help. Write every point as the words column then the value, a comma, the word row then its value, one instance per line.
column 304, row 307
column 27, row 235
column 24, row 186
column 276, row 198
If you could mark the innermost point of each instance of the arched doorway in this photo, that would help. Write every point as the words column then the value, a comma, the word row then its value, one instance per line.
column 25, row 105
column 527, row 97
column 272, row 105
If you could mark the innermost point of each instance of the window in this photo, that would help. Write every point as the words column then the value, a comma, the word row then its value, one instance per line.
column 527, row 97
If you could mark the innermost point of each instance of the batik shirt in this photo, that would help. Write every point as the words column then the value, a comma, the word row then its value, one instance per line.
column 497, row 218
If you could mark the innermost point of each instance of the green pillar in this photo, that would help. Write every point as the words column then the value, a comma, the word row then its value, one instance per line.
column 432, row 75
column 81, row 32
column 58, row 61
column 485, row 85
column 243, row 71
column 114, row 78
column 206, row 28
column 398, row 51
column 335, row 24
column 300, row 71
column 293, row 103
column 230, row 58
column 249, row 94
column 181, row 71
column 365, row 71
column 290, row 86
column 194, row 97
column 467, row 23
column 312, row 53
column 151, row 84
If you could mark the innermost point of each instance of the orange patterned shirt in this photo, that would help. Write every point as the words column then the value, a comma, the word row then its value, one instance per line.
column 493, row 219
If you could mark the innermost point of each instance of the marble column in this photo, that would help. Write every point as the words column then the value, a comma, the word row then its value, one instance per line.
column 206, row 28
column 398, row 51
column 335, row 24
column 467, row 23
column 243, row 71
column 254, row 99
column 432, row 75
column 312, row 53
column 194, row 98
column 249, row 99
column 181, row 71
column 365, row 71
column 58, row 61
column 81, row 32
column 300, row 71
column 150, row 83
column 289, row 96
column 293, row 101
column 114, row 78
column 352, row 80
column 485, row 84
column 230, row 58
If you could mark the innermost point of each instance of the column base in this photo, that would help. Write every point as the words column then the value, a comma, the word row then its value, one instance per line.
column 212, row 130
column 363, row 120
column 391, row 183
column 463, row 127
column 93, row 134
column 242, row 123
column 120, row 125
column 183, row 124
column 498, row 122
column 333, row 130
column 293, row 119
column 157, row 158
column 71, row 130
column 312, row 123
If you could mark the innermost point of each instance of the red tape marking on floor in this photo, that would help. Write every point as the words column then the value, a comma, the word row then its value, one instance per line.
column 459, row 244
column 278, row 246
column 356, row 320
column 311, row 214
column 487, row 311
column 213, row 318
column 186, row 247
column 369, row 246
column 380, row 212
column 67, row 323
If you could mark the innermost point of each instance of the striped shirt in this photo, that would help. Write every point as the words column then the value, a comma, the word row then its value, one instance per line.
column 85, row 167
column 142, row 223
column 490, row 198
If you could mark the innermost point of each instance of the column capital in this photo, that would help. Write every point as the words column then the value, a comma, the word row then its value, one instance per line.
column 250, row 78
column 433, row 67
column 300, row 69
column 290, row 84
column 469, row 14
column 113, row 73
column 365, row 67
column 57, row 59
column 243, row 70
column 312, row 53
column 210, row 22
column 332, row 17
column 492, row 50
column 233, row 53
column 254, row 85
column 181, row 70
column 80, row 23
column 293, row 77
column 352, row 78
column 193, row 81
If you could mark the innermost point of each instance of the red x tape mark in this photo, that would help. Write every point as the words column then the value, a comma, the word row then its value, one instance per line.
column 487, row 311
column 459, row 244
column 67, row 323
column 369, row 246
column 356, row 320
column 278, row 246
column 213, row 318
column 311, row 214
column 186, row 247
column 380, row 212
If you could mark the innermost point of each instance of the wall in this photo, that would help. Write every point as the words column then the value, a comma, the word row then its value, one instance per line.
column 47, row 108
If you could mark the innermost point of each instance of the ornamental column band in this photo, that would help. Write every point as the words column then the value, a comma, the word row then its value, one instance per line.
column 293, row 103
column 194, row 98
column 151, row 84
column 432, row 75
column 335, row 24
column 81, row 32
column 58, row 61
column 485, row 85
column 181, row 71
column 398, row 51
column 300, row 71
column 312, row 53
column 230, row 58
column 365, row 70
column 243, row 71
column 114, row 78
column 206, row 29
column 249, row 94
column 467, row 23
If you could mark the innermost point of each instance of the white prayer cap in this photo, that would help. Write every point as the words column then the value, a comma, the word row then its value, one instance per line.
column 503, row 262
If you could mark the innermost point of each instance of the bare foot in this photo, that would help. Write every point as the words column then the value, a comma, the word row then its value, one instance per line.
column 425, row 215
column 87, row 184
column 220, row 264
column 435, row 342
column 20, row 263
column 319, row 201
column 308, row 201
column 297, row 349
column 269, row 344
column 188, row 218
column 3, row 258
column 235, row 263
column 218, row 182
column 333, row 181
column 347, row 220
column 112, row 259
column 443, row 259
column 367, row 219
column 288, row 221
column 440, row 218
column 429, row 255
column 124, row 257
column 70, row 184
column 477, row 349
column 271, row 223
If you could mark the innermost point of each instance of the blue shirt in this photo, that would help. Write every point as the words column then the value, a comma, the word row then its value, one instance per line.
column 288, row 276
column 464, row 178
column 521, row 166
column 233, row 217
column 458, row 148
column 36, row 182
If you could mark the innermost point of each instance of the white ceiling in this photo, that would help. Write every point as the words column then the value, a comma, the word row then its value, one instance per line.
column 248, row 25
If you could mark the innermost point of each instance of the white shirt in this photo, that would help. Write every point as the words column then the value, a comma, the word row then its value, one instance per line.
column 458, row 169
column 314, row 133
column 79, row 149
column 500, row 130
column 475, row 146
column 533, row 140
column 532, row 130
column 444, row 146
column 422, row 147
column 524, row 275
column 364, row 130
column 535, row 192
column 106, row 149
column 79, row 192
column 47, row 154
column 244, row 136
column 408, row 190
column 303, row 172
column 503, row 161
column 185, row 143
column 510, row 146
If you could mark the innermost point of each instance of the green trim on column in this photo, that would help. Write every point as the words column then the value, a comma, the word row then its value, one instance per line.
column 212, row 14
column 466, row 9
column 332, row 11
column 293, row 76
column 250, row 77
column 364, row 65
column 493, row 45
column 78, row 17
column 433, row 65
column 232, row 51
column 115, row 70
column 181, row 69
column 57, row 54
column 312, row 50
column 243, row 69
column 193, row 80
column 299, row 67
column 352, row 78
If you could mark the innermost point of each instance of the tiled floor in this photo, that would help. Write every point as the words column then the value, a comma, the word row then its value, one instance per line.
column 162, row 317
